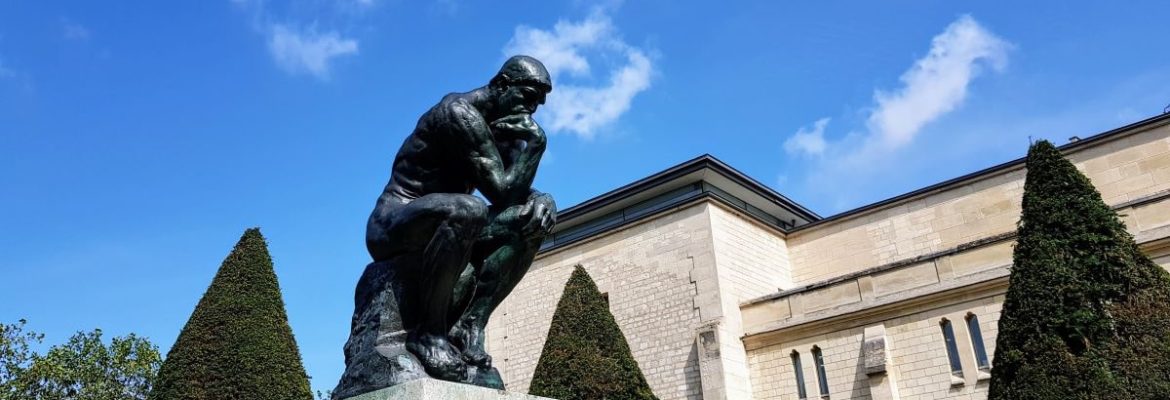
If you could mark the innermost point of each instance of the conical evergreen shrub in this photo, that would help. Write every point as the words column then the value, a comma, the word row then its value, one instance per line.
column 585, row 355
column 1087, row 315
column 237, row 344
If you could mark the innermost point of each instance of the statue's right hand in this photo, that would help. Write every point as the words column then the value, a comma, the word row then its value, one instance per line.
column 523, row 125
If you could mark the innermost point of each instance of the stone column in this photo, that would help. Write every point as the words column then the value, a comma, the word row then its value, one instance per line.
column 883, row 383
column 710, row 364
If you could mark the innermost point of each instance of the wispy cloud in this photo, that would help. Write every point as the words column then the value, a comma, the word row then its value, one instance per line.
column 306, row 50
column 5, row 72
column 575, row 107
column 937, row 83
column 808, row 139
column 73, row 31
column 934, row 85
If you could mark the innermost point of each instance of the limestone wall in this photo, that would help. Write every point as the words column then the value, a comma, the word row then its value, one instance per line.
column 1124, row 170
column 751, row 261
column 646, row 270
column 918, row 366
column 902, row 268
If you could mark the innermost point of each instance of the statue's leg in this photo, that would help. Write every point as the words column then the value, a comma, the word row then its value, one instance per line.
column 437, row 231
column 509, row 254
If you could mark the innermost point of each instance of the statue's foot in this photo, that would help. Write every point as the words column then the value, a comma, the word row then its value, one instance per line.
column 487, row 377
column 469, row 339
column 439, row 358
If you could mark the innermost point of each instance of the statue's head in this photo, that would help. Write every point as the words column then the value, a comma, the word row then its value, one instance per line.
column 520, row 86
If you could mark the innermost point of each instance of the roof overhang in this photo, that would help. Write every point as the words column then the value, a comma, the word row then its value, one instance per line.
column 703, row 176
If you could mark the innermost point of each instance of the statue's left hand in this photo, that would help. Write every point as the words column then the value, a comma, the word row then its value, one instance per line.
column 541, row 214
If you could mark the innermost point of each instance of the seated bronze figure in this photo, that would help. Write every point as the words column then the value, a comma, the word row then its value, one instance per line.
column 444, row 259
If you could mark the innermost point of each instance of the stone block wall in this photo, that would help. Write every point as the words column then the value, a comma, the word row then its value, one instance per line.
column 1129, row 168
column 918, row 365
column 646, row 270
column 751, row 261
column 774, row 377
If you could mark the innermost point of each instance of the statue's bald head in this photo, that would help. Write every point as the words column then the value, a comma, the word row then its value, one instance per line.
column 523, row 70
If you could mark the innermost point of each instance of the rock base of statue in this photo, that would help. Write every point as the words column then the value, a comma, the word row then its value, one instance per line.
column 376, row 355
column 433, row 389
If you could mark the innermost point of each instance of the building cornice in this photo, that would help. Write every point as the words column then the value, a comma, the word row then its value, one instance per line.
column 1071, row 147
column 705, row 161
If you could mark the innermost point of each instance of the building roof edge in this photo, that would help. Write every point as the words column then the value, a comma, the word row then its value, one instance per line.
column 1160, row 119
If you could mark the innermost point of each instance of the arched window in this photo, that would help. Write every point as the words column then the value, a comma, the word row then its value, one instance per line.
column 822, row 377
column 952, row 349
column 801, row 393
column 977, row 342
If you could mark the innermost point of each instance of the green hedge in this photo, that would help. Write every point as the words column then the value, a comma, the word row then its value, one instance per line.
column 1087, row 315
column 237, row 344
column 585, row 355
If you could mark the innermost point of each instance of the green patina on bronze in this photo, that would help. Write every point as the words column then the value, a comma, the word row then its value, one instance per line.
column 443, row 258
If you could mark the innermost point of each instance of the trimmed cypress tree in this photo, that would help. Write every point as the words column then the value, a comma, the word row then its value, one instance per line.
column 585, row 355
column 1087, row 315
column 237, row 344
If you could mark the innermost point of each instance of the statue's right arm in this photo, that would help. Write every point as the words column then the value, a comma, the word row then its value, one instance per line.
column 497, row 183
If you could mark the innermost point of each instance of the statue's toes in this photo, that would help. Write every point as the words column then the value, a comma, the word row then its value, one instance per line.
column 439, row 359
column 478, row 358
column 486, row 377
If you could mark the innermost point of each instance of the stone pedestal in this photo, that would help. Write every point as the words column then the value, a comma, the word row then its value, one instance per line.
column 433, row 389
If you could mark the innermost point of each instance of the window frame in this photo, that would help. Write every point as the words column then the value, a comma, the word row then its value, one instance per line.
column 822, row 373
column 975, row 333
column 798, row 369
column 952, row 347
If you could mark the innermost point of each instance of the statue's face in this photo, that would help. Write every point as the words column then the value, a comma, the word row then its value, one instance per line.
column 520, row 99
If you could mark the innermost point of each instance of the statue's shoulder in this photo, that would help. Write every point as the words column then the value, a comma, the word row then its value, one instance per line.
column 453, row 112
column 454, row 103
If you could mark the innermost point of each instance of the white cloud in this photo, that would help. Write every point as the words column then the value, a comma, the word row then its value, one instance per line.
column 73, row 31
column 937, row 83
column 300, row 48
column 873, row 159
column 307, row 51
column 576, row 108
column 808, row 140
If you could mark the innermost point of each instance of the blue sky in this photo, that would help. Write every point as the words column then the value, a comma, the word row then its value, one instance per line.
column 138, row 139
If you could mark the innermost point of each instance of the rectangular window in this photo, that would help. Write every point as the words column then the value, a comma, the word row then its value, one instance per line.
column 822, row 376
column 952, row 349
column 977, row 342
column 801, row 393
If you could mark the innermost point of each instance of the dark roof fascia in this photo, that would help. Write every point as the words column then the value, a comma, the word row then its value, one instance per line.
column 1066, row 148
column 705, row 161
column 763, row 190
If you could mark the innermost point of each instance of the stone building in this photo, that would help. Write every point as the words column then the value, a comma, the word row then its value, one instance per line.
column 726, row 289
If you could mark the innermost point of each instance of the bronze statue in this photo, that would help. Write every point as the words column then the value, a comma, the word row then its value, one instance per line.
column 443, row 258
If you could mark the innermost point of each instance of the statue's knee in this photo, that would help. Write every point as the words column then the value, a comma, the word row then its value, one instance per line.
column 469, row 210
column 546, row 201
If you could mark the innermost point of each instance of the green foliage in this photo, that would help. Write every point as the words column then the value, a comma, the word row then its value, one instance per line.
column 1087, row 315
column 585, row 355
column 84, row 368
column 237, row 343
column 15, row 357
